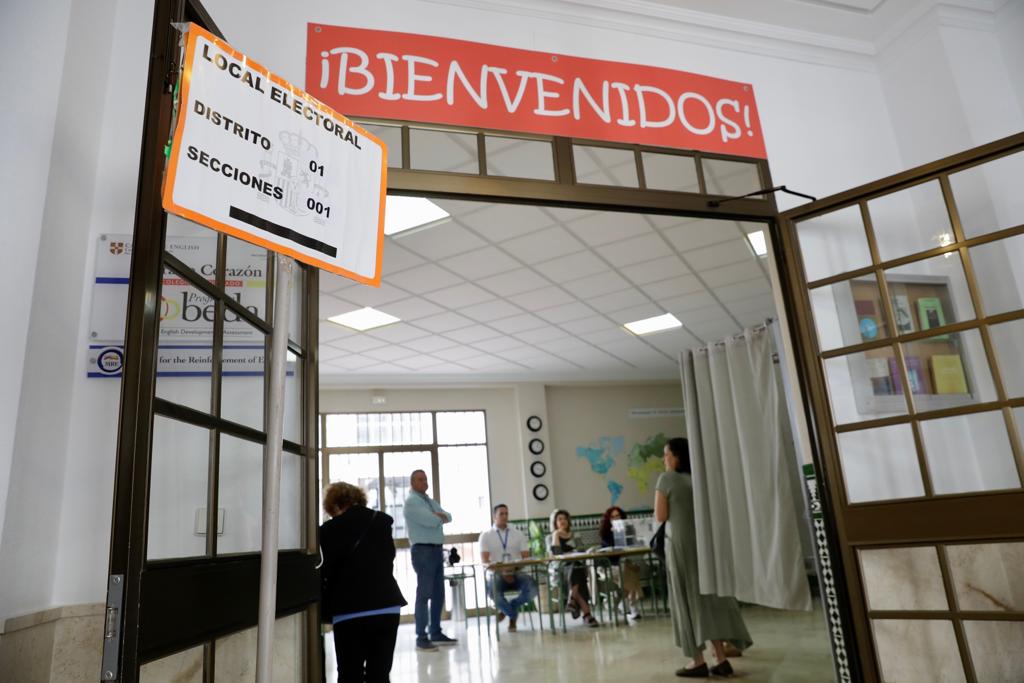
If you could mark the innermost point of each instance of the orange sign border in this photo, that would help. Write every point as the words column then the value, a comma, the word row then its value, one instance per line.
column 194, row 32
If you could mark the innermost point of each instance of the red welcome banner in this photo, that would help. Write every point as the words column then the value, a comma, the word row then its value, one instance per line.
column 388, row 75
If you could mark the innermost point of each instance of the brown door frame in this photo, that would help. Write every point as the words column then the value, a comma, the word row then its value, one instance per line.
column 169, row 606
column 927, row 520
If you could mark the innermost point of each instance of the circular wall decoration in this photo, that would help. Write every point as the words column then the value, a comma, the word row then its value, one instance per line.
column 536, row 446
column 534, row 423
column 540, row 492
column 538, row 469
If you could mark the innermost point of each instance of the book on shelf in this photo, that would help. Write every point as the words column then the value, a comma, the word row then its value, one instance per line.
column 930, row 314
column 917, row 375
column 901, row 313
column 948, row 374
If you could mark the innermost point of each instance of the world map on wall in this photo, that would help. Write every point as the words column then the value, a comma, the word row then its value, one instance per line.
column 642, row 460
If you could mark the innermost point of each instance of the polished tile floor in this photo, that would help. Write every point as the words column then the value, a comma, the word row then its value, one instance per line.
column 789, row 647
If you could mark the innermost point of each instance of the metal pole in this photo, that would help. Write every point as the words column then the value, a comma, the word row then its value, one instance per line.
column 272, row 470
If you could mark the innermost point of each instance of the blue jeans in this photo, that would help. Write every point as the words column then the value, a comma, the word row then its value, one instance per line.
column 428, row 563
column 522, row 583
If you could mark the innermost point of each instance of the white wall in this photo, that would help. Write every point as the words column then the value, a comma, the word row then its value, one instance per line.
column 57, row 522
column 32, row 46
column 581, row 416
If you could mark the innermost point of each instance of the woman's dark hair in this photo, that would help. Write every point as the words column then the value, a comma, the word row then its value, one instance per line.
column 680, row 448
column 605, row 530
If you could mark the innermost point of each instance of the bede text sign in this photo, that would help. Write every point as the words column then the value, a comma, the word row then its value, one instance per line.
column 257, row 158
column 411, row 77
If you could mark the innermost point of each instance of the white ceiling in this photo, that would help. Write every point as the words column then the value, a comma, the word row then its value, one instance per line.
column 511, row 292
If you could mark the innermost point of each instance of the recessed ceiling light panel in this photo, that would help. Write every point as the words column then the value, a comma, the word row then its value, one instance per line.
column 656, row 324
column 405, row 213
column 363, row 319
column 758, row 243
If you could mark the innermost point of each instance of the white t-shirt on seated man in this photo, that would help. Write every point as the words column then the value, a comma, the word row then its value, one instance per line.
column 502, row 543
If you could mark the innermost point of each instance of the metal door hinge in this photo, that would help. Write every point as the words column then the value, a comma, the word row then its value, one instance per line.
column 112, row 628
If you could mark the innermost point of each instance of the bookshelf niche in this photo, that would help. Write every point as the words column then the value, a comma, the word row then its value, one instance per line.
column 938, row 369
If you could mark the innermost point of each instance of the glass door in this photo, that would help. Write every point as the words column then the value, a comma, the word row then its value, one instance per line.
column 186, row 532
column 908, row 298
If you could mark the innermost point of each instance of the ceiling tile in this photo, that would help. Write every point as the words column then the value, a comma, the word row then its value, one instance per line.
column 384, row 369
column 498, row 344
column 411, row 308
column 354, row 362
column 364, row 295
column 596, row 285
column 513, row 282
column 607, row 336
column 541, row 335
column 734, row 251
column 545, row 297
column 457, row 353
column 448, row 369
column 585, row 326
column 426, row 278
column 676, row 286
column 418, row 362
column 657, row 269
column 389, row 353
column 397, row 258
column 635, row 352
column 481, row 362
column 480, row 263
column 358, row 343
column 618, row 300
column 595, row 359
column 570, row 215
column 743, row 290
column 572, row 267
column 472, row 334
column 459, row 208
column 687, row 302
column 331, row 306
column 518, row 323
column 697, row 233
column 761, row 303
column 458, row 296
column 609, row 226
column 398, row 333
column 440, row 241
column 714, row 330
column 548, row 362
column 429, row 344
column 332, row 331
column 672, row 342
column 641, row 312
column 329, row 353
column 566, row 312
column 566, row 345
column 442, row 322
column 490, row 310
column 634, row 250
column 543, row 245
column 700, row 315
column 751, row 318
column 737, row 272
column 330, row 282
column 500, row 222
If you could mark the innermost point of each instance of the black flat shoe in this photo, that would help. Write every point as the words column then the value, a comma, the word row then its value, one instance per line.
column 723, row 669
column 696, row 672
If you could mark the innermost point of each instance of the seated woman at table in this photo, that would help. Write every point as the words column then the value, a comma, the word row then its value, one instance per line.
column 574, row 574
column 630, row 569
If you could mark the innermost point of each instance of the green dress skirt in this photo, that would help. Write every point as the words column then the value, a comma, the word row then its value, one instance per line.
column 696, row 618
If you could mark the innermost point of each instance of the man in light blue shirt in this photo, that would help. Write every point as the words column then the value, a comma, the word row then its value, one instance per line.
column 424, row 519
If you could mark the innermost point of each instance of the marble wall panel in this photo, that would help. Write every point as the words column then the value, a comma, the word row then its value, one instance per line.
column 997, row 650
column 181, row 667
column 915, row 650
column 903, row 579
column 988, row 576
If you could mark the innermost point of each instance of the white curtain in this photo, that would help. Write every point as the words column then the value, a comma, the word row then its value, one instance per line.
column 747, row 500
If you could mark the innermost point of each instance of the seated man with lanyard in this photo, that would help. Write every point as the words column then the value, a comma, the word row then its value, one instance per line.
column 502, row 543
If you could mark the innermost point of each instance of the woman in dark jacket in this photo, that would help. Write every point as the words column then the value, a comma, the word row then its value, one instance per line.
column 360, row 595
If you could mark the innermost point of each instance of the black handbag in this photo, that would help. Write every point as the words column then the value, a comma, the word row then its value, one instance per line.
column 658, row 541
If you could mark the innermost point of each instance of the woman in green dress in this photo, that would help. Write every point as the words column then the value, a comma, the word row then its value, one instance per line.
column 696, row 618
